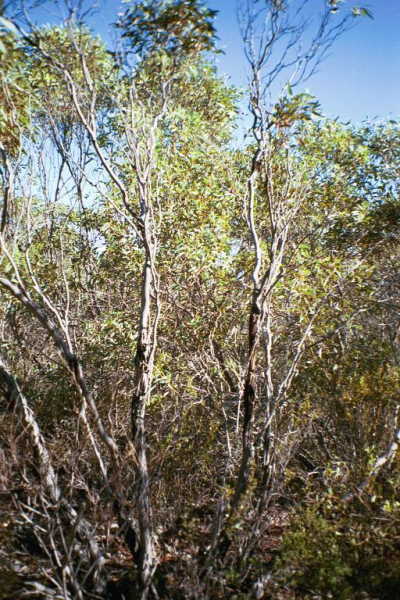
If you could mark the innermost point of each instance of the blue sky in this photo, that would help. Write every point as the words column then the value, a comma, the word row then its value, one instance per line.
column 359, row 79
column 361, row 76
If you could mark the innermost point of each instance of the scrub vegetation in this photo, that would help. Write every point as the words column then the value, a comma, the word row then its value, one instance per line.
column 199, row 335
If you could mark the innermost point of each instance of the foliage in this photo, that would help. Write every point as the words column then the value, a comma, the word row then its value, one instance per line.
column 136, row 235
column 333, row 550
column 14, row 90
column 178, row 28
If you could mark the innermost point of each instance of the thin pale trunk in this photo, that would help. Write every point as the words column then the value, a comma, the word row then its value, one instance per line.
column 220, row 541
column 144, row 360
column 47, row 473
column 74, row 367
column 383, row 460
column 8, row 188
column 268, row 472
column 248, row 400
column 44, row 465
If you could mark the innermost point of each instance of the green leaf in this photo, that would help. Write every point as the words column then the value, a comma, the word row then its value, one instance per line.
column 6, row 24
column 366, row 13
column 362, row 12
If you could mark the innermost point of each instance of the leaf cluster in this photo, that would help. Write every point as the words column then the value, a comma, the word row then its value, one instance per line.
column 178, row 28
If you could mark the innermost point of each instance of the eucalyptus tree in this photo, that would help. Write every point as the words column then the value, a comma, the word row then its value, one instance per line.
column 284, row 44
column 122, row 115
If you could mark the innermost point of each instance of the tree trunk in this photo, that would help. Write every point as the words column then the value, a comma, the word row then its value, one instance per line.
column 144, row 362
column 248, row 399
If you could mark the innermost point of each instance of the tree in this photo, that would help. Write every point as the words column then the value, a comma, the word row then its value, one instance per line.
column 278, row 186
column 192, row 333
column 138, row 116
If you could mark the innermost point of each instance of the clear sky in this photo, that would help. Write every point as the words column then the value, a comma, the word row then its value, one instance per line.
column 360, row 78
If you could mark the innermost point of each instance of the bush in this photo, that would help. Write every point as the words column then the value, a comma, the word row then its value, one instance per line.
column 343, row 551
